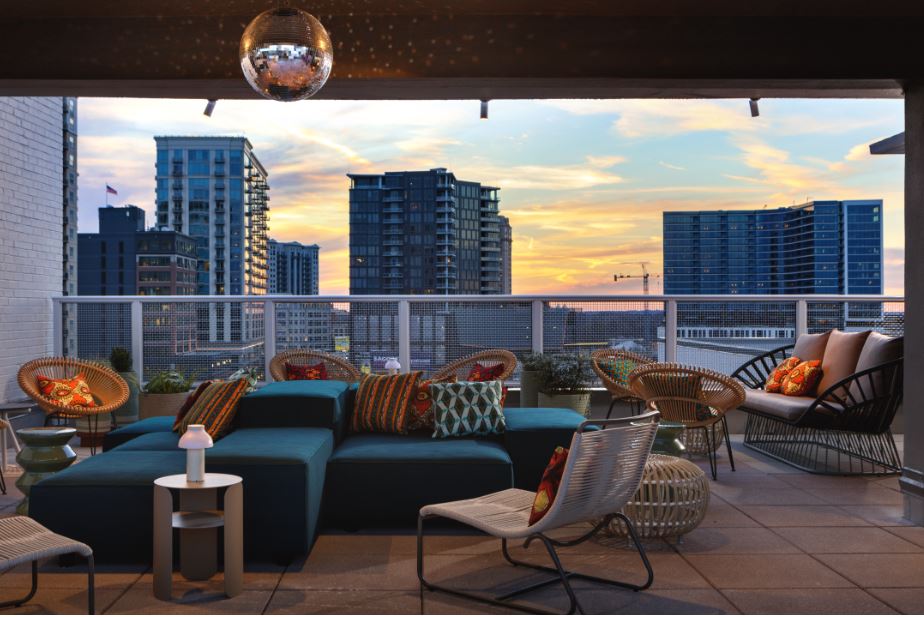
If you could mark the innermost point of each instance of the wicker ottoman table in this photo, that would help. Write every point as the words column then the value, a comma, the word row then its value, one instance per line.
column 671, row 500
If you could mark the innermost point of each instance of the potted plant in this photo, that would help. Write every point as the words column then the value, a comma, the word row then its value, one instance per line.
column 535, row 366
column 121, row 361
column 566, row 383
column 165, row 394
column 252, row 375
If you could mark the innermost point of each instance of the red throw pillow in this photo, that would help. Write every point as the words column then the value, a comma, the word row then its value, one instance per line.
column 775, row 380
column 548, row 486
column 190, row 401
column 420, row 414
column 71, row 391
column 298, row 372
column 803, row 379
column 480, row 372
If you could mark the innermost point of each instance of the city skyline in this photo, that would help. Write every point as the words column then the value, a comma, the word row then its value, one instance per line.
column 585, row 182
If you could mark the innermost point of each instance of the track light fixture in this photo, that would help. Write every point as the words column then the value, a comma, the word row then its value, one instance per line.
column 755, row 111
column 484, row 109
column 209, row 107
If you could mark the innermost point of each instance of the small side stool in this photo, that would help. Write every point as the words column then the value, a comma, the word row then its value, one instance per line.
column 197, row 519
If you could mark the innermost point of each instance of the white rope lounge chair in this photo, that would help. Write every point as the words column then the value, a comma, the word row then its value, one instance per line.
column 22, row 539
column 602, row 473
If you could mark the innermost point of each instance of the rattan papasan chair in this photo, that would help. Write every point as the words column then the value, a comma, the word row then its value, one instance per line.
column 461, row 368
column 337, row 368
column 109, row 390
column 619, row 390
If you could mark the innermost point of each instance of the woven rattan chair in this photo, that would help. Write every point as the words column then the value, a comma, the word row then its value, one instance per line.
column 461, row 367
column 109, row 390
column 619, row 391
column 337, row 368
column 23, row 540
column 695, row 397
column 602, row 473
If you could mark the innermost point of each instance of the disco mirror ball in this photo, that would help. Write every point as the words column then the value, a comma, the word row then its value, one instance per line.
column 286, row 54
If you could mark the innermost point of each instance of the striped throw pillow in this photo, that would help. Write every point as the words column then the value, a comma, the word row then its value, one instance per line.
column 215, row 407
column 382, row 403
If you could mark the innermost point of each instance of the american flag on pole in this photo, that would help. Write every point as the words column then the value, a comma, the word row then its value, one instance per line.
column 111, row 191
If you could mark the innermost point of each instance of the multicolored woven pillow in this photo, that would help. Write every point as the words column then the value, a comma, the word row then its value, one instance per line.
column 383, row 401
column 420, row 414
column 776, row 378
column 467, row 408
column 72, row 391
column 803, row 379
column 190, row 400
column 618, row 369
column 306, row 372
column 548, row 486
column 215, row 407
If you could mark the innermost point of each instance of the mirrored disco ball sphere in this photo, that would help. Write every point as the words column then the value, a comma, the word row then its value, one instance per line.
column 286, row 54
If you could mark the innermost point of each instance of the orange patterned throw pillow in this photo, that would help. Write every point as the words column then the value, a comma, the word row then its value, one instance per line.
column 802, row 380
column 306, row 372
column 215, row 407
column 775, row 380
column 383, row 401
column 72, row 391
column 548, row 486
column 420, row 414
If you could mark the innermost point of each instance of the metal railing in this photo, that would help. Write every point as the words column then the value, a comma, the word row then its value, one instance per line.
column 211, row 336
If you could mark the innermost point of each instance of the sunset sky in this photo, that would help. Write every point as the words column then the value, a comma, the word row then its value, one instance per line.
column 583, row 182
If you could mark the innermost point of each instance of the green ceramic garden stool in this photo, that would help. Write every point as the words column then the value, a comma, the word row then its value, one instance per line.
column 44, row 453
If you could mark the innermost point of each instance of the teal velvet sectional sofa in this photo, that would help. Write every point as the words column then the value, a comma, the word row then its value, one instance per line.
column 303, row 470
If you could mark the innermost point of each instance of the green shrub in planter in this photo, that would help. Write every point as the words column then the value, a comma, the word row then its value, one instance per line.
column 165, row 394
column 566, row 383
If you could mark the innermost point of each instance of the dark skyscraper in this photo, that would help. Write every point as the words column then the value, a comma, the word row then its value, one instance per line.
column 293, row 268
column 424, row 232
column 821, row 247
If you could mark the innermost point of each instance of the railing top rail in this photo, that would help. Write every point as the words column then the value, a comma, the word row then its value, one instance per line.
column 732, row 298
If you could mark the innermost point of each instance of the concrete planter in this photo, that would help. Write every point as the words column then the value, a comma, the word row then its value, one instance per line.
column 578, row 402
column 92, row 429
column 161, row 404
column 529, row 388
column 128, row 413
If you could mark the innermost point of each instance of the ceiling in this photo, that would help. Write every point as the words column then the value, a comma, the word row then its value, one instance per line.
column 477, row 48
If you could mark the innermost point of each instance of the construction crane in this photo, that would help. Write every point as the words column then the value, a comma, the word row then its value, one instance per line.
column 645, row 274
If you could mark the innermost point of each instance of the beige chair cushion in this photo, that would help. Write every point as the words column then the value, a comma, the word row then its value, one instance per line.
column 786, row 407
column 811, row 346
column 841, row 355
column 878, row 349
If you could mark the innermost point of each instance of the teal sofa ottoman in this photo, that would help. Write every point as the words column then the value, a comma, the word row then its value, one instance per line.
column 309, row 403
column 382, row 480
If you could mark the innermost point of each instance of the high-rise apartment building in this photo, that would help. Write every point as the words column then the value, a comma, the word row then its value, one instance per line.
column 424, row 232
column 506, row 243
column 821, row 247
column 69, row 105
column 214, row 189
column 293, row 268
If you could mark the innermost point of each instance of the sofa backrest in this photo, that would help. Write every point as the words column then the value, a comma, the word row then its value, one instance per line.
column 316, row 403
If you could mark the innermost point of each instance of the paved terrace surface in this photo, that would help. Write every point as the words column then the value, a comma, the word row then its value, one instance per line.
column 774, row 541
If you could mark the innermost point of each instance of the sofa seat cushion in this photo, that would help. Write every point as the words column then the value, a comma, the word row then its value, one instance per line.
column 379, row 479
column 128, row 432
column 302, row 403
column 788, row 408
column 158, row 441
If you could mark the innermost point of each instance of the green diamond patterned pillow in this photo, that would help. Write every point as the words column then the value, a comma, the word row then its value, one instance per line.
column 467, row 408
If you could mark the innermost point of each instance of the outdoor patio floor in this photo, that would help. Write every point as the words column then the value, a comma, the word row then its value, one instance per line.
column 774, row 541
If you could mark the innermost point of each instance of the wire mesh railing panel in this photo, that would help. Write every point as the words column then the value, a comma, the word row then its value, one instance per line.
column 96, row 329
column 203, row 340
column 442, row 332
column 724, row 335
column 363, row 333
column 582, row 327
column 885, row 317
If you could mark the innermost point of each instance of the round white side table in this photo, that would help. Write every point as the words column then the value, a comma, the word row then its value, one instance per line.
column 197, row 519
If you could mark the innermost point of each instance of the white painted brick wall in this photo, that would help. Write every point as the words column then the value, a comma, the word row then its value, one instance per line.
column 31, row 240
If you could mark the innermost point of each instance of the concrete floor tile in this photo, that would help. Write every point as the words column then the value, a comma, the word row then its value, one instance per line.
column 810, row 480
column 62, row 601
column 754, row 496
column 868, row 494
column 879, row 570
column 53, row 576
column 884, row 516
column 846, row 540
column 806, row 601
column 733, row 541
column 807, row 516
column 256, row 576
column 722, row 514
column 355, row 602
column 890, row 482
column 598, row 599
column 373, row 571
column 738, row 479
column 912, row 534
column 191, row 599
column 765, row 572
column 908, row 600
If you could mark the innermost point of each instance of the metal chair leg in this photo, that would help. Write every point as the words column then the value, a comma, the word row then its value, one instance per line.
column 28, row 596
column 91, row 587
column 609, row 411
column 731, row 457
